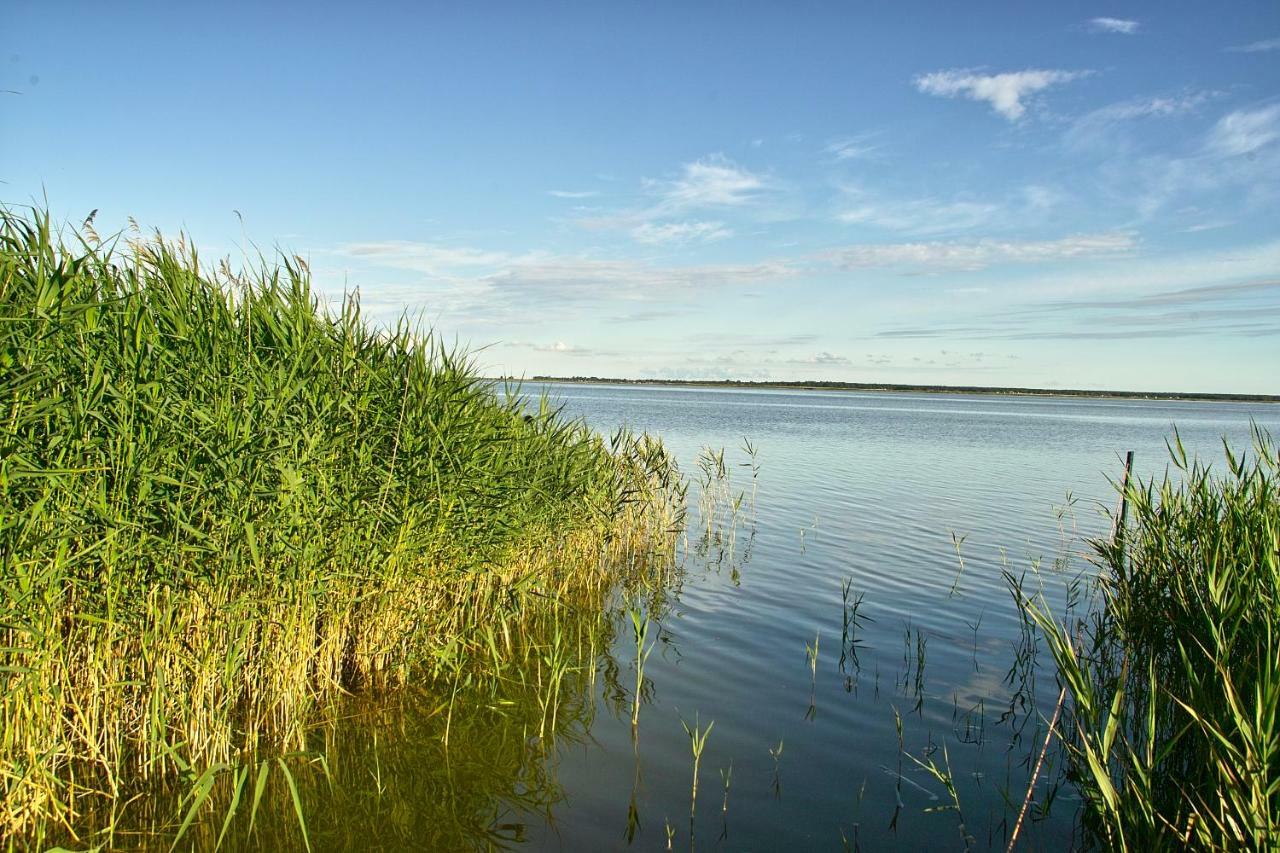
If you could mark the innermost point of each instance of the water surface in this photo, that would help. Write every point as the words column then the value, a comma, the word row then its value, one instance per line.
column 884, row 492
column 879, row 488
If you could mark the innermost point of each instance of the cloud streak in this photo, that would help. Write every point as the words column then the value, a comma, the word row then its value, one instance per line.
column 422, row 257
column 980, row 254
column 573, row 193
column 679, row 232
column 1180, row 296
column 1246, row 309
column 857, row 147
column 1245, row 131
column 1119, row 26
column 1257, row 46
column 919, row 216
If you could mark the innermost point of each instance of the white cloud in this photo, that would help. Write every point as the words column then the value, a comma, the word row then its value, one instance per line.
column 573, row 193
column 1145, row 274
column 1113, row 25
column 1100, row 128
column 1245, row 131
column 624, row 278
column 679, row 232
column 1005, row 92
column 423, row 257
column 558, row 346
column 1156, row 107
column 1234, row 166
column 821, row 359
column 852, row 148
column 980, row 254
column 916, row 216
column 924, row 216
column 1206, row 226
column 533, row 287
column 1257, row 46
column 1042, row 199
column 713, row 181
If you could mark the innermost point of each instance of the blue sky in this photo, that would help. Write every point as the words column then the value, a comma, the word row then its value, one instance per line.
column 1054, row 195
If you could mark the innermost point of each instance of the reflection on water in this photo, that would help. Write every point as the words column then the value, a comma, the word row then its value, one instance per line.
column 467, row 763
column 844, row 618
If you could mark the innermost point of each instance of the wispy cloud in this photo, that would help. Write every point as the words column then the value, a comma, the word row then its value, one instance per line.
column 981, row 254
column 559, row 348
column 821, row 359
column 422, row 257
column 679, row 232
column 1257, row 46
column 1245, row 131
column 918, row 216
column 1007, row 92
column 858, row 147
column 931, row 215
column 573, row 193
column 1247, row 308
column 1101, row 128
column 713, row 181
column 1120, row 26
column 1206, row 226
column 1222, row 293
column 472, row 286
column 996, row 334
column 1180, row 296
column 1232, row 165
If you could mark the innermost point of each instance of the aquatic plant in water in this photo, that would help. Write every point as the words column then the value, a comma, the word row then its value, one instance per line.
column 1173, row 682
column 224, row 507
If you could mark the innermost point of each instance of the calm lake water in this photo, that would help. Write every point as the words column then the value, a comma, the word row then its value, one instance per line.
column 884, row 491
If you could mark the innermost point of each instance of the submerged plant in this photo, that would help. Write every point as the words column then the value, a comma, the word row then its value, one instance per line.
column 852, row 621
column 944, row 775
column 640, row 627
column 697, row 743
column 811, row 657
column 776, row 754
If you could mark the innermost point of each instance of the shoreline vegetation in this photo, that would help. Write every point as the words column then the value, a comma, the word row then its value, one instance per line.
column 901, row 388
column 229, row 518
column 224, row 509
column 1171, row 682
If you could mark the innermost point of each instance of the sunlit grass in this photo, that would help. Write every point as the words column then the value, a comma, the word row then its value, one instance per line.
column 222, row 506
column 1173, row 723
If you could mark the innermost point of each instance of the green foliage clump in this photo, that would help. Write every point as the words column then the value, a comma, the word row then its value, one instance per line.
column 1174, row 724
column 221, row 504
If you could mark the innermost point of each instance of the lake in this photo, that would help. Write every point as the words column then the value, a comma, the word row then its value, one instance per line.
column 923, row 505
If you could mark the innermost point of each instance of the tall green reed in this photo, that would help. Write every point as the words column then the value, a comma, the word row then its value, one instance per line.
column 1173, row 729
column 222, row 506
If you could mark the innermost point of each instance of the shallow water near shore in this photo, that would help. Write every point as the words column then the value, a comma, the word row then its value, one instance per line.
column 911, row 510
column 892, row 491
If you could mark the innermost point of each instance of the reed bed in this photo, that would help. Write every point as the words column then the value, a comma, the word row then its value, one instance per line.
column 222, row 506
column 1172, row 724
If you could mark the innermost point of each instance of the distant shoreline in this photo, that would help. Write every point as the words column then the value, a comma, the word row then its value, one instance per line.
column 917, row 389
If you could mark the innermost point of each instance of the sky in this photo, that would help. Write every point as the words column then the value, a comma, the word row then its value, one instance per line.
column 1055, row 195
